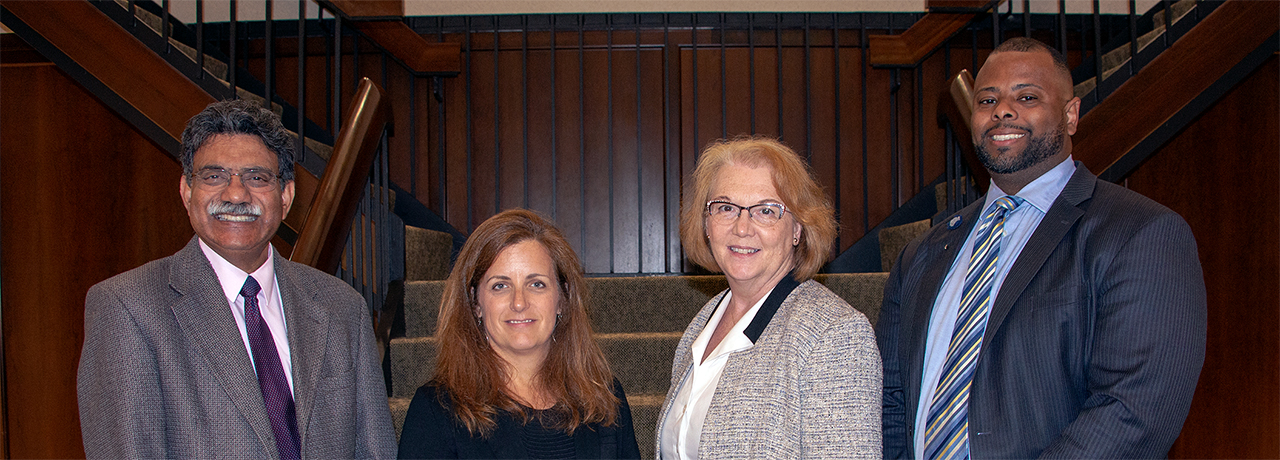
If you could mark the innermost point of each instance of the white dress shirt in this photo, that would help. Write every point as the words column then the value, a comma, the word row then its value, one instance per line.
column 682, row 430
column 1018, row 227
column 232, row 279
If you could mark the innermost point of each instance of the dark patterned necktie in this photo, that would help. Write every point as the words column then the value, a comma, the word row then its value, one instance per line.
column 271, row 378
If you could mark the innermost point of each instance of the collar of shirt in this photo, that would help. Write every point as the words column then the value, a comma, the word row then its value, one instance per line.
column 232, row 277
column 735, row 340
column 1041, row 192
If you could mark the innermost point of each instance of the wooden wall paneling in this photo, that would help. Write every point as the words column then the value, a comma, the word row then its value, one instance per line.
column 624, row 155
column 1201, row 173
column 823, row 149
column 710, row 94
column 569, row 145
column 766, row 95
column 737, row 98
column 794, row 133
column 60, row 176
column 652, row 151
column 673, row 160
column 513, row 184
column 428, row 174
column 540, row 119
column 598, row 191
column 851, row 185
column 481, row 198
column 401, row 163
column 934, row 82
column 879, row 167
column 908, row 152
column 458, row 132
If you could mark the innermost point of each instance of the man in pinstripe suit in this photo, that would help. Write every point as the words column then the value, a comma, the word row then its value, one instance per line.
column 1095, row 321
column 226, row 349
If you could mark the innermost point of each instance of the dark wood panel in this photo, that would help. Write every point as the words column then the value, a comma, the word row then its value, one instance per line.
column 540, row 118
column 654, row 244
column 624, row 159
column 513, row 183
column 81, row 202
column 569, row 147
column 597, row 254
column 737, row 83
column 879, row 146
column 794, row 130
column 823, row 149
column 482, row 187
column 1232, row 152
column 851, row 184
column 457, row 152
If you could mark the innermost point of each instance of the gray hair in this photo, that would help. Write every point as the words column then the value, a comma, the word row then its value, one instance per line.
column 238, row 117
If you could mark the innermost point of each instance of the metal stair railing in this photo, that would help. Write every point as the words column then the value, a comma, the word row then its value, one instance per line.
column 339, row 208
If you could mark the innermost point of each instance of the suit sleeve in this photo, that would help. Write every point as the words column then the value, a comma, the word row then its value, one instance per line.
column 841, row 391
column 1147, row 349
column 894, row 428
column 117, row 384
column 375, row 435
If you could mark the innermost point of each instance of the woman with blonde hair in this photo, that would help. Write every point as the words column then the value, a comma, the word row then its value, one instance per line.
column 518, row 374
column 777, row 366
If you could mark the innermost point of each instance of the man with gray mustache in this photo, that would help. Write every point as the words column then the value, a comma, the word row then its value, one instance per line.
column 226, row 348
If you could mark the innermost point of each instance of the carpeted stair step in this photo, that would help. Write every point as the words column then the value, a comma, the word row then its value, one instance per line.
column 431, row 251
column 640, row 360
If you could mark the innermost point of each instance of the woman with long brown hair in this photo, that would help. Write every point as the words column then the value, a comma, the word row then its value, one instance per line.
column 518, row 374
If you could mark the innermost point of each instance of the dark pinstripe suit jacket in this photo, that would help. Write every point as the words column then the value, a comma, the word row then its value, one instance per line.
column 1093, row 345
column 165, row 374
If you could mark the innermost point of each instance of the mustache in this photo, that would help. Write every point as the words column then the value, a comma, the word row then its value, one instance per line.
column 1007, row 125
column 241, row 209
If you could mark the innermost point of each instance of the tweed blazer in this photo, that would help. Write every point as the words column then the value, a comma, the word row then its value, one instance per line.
column 808, row 388
column 164, row 372
column 1093, row 344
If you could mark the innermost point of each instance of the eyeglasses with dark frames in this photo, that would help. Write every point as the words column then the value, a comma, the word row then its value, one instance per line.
column 764, row 214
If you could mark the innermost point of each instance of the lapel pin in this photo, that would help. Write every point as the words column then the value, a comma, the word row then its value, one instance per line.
column 954, row 223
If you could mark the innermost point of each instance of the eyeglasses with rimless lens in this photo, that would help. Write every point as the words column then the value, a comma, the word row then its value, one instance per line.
column 765, row 214
column 217, row 178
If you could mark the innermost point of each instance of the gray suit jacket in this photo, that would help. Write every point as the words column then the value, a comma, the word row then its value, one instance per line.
column 165, row 374
column 1093, row 345
column 808, row 388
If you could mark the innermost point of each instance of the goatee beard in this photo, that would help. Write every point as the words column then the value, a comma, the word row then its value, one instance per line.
column 1039, row 148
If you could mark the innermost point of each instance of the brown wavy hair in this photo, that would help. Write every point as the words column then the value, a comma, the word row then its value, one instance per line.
column 795, row 184
column 575, row 373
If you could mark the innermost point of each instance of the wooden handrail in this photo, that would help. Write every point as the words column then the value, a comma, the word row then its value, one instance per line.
column 345, row 178
column 957, row 106
column 383, row 22
column 129, row 77
column 1172, row 81
column 944, row 19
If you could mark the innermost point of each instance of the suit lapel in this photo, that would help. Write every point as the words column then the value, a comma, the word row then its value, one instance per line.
column 204, row 315
column 308, row 333
column 937, row 253
column 1056, row 223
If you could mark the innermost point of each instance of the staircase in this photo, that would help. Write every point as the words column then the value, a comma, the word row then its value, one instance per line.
column 638, row 322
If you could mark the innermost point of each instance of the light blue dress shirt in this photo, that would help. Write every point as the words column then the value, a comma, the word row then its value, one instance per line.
column 1039, row 195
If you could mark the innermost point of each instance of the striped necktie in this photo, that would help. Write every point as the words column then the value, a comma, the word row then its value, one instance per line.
column 947, row 431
